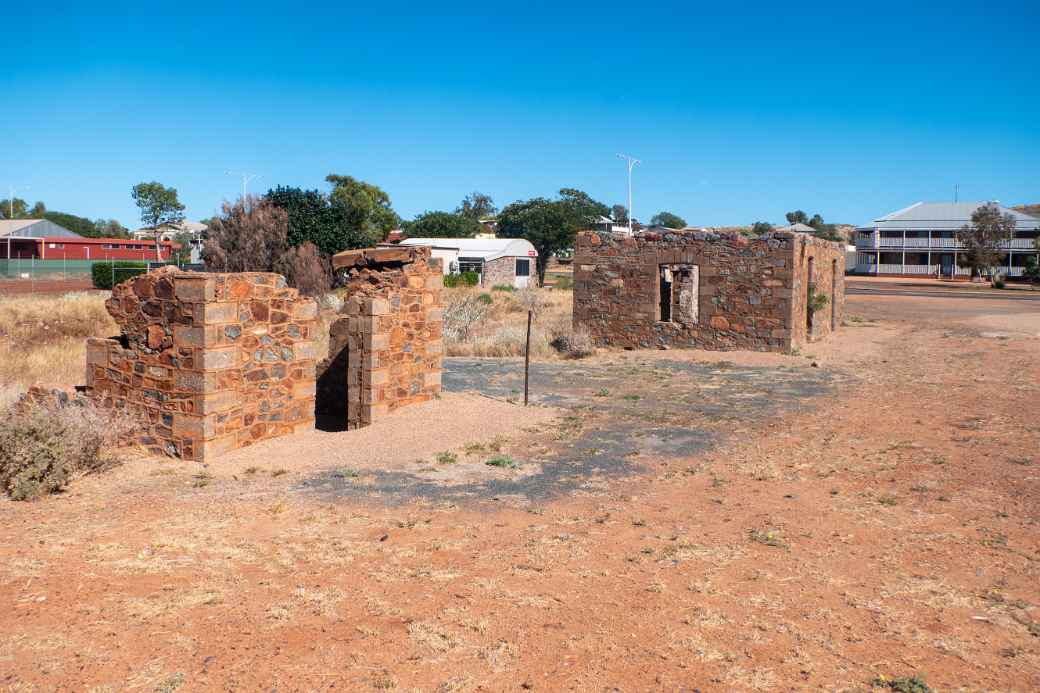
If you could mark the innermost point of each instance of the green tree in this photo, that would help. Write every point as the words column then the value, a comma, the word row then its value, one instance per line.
column 668, row 220
column 14, row 208
column 547, row 224
column 982, row 238
column 317, row 219
column 76, row 224
column 619, row 213
column 550, row 225
column 828, row 232
column 366, row 207
column 442, row 225
column 159, row 207
column 108, row 228
column 761, row 227
column 584, row 209
column 1032, row 270
column 477, row 206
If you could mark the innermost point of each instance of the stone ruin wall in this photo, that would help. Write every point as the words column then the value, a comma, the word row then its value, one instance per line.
column 825, row 261
column 385, row 350
column 207, row 362
column 726, row 291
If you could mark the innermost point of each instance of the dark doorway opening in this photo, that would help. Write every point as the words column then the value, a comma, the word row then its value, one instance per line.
column 810, row 290
column 665, row 295
column 332, row 391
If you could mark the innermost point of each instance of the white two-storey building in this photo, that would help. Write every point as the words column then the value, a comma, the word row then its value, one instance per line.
column 921, row 240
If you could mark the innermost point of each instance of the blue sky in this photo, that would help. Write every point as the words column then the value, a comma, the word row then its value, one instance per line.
column 739, row 112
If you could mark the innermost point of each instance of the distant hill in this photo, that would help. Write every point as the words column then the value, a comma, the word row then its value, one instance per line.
column 1031, row 210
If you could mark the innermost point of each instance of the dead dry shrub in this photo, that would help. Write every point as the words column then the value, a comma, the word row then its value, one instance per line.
column 463, row 310
column 44, row 446
column 574, row 344
column 306, row 269
column 249, row 236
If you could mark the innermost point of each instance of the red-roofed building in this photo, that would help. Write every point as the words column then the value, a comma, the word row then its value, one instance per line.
column 59, row 247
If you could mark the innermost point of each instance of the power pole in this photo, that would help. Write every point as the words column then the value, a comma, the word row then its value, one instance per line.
column 632, row 162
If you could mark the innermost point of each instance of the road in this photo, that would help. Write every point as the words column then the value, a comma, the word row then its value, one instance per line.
column 853, row 288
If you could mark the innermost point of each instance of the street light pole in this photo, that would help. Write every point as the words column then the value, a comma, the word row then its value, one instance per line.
column 11, row 189
column 632, row 161
column 10, row 215
column 246, row 177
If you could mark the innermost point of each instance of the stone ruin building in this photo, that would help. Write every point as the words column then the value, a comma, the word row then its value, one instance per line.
column 385, row 349
column 207, row 363
column 704, row 290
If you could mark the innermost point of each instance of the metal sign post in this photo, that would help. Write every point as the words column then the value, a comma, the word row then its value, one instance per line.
column 527, row 357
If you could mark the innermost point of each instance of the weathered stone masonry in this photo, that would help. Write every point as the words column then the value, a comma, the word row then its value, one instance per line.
column 385, row 351
column 207, row 362
column 706, row 290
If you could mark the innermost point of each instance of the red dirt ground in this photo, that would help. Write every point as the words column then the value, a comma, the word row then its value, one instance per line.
column 888, row 529
column 44, row 286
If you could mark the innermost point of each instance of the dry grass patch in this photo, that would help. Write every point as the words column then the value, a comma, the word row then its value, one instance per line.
column 494, row 324
column 42, row 338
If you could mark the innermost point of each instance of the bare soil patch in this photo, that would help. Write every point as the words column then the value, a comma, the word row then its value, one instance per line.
column 874, row 515
column 45, row 286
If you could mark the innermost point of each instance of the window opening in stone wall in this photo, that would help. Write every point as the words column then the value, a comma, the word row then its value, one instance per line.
column 679, row 296
column 523, row 267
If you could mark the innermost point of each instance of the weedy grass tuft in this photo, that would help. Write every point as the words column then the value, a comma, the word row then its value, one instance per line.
column 768, row 537
column 902, row 684
column 201, row 480
column 345, row 473
column 503, row 461
column 446, row 457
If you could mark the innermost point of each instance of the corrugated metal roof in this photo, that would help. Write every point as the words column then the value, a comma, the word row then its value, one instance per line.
column 943, row 216
column 33, row 228
column 486, row 248
column 797, row 227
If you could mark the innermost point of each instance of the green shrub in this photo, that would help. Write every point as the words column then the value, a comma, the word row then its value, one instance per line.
column 998, row 283
column 503, row 287
column 465, row 279
column 103, row 272
column 486, row 299
column 815, row 302
column 43, row 446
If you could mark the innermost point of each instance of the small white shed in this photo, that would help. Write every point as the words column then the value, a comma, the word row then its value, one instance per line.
column 498, row 261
